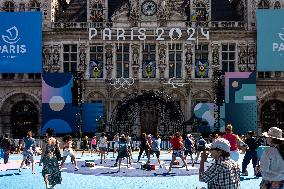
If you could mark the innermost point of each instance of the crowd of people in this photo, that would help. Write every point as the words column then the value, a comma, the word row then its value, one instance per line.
column 224, row 172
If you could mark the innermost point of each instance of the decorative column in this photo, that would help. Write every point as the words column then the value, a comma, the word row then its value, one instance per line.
column 215, row 56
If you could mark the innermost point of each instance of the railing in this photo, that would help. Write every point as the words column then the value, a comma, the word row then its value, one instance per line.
column 216, row 25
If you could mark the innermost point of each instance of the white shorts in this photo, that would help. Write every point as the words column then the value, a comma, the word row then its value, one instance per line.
column 235, row 155
column 68, row 152
column 116, row 145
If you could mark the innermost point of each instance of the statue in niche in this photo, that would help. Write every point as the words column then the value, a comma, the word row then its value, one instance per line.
column 242, row 56
column 251, row 56
column 133, row 10
column 135, row 56
column 46, row 57
column 188, row 57
column 55, row 57
column 162, row 56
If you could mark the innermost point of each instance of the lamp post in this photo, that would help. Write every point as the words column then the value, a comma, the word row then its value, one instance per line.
column 218, row 89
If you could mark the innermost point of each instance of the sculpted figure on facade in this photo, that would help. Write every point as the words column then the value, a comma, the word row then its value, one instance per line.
column 188, row 60
column 242, row 58
column 252, row 58
column 215, row 56
column 55, row 59
column 163, row 12
column 135, row 59
column 162, row 60
column 109, row 64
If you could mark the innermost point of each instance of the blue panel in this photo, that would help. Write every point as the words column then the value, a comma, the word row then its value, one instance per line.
column 270, row 40
column 92, row 115
column 20, row 42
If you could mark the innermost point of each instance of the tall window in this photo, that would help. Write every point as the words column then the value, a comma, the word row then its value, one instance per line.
column 34, row 6
column 263, row 4
column 201, row 61
column 96, row 61
column 228, row 57
column 149, row 61
column 122, row 60
column 9, row 6
column 22, row 7
column 70, row 58
column 175, row 60
column 97, row 14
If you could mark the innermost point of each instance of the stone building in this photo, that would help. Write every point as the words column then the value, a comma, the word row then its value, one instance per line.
column 143, row 67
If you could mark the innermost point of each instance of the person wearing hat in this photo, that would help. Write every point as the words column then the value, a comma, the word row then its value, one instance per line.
column 224, row 173
column 272, row 160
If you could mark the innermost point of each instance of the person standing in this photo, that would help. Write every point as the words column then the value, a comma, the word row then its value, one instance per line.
column 200, row 147
column 123, row 152
column 103, row 147
column 144, row 146
column 86, row 145
column 50, row 170
column 251, row 153
column 234, row 140
column 224, row 173
column 272, row 160
column 129, row 144
column 189, row 145
column 156, row 148
column 68, row 151
column 115, row 144
column 28, row 152
column 177, row 144
column 6, row 146
column 94, row 144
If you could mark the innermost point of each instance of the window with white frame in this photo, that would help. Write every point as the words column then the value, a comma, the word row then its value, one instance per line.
column 97, row 61
column 263, row 4
column 9, row 6
column 34, row 6
column 175, row 60
column 228, row 57
column 70, row 54
column 22, row 7
column 201, row 61
column 122, row 60
column 97, row 13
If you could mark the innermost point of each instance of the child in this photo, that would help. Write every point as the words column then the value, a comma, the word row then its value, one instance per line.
column 68, row 151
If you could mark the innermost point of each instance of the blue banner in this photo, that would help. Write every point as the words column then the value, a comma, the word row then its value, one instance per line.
column 20, row 42
column 270, row 40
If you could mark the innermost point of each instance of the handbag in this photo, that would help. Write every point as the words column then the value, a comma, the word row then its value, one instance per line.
column 57, row 152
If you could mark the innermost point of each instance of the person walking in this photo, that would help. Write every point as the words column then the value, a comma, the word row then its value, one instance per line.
column 177, row 145
column 68, row 151
column 94, row 145
column 272, row 160
column 50, row 170
column 28, row 152
column 123, row 151
column 6, row 146
column 234, row 140
column 251, row 152
column 129, row 144
column 224, row 173
column 115, row 144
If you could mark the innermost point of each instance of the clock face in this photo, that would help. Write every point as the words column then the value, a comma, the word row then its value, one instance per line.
column 149, row 8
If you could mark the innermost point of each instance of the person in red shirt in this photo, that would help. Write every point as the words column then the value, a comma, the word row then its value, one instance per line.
column 234, row 140
column 177, row 145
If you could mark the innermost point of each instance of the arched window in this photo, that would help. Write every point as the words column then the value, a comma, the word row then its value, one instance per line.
column 263, row 4
column 34, row 6
column 9, row 6
column 277, row 5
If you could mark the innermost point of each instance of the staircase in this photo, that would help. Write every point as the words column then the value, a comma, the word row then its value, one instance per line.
column 76, row 11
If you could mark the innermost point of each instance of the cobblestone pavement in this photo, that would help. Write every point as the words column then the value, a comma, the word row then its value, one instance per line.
column 106, row 176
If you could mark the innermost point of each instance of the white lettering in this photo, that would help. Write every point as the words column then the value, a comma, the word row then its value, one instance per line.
column 105, row 34
column 92, row 33
column 120, row 35
column 132, row 34
column 12, row 48
column 160, row 32
column 275, row 46
column 142, row 35
column 23, row 49
column 281, row 48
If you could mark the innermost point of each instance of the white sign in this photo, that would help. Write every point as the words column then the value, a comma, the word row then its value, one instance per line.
column 159, row 34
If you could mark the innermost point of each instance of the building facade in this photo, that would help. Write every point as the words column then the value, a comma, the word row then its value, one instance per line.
column 147, row 61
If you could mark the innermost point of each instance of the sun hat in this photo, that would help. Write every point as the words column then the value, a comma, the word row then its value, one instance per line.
column 274, row 132
column 221, row 144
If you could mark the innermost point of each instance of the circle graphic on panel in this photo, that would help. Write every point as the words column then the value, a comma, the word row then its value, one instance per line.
column 56, row 103
column 149, row 8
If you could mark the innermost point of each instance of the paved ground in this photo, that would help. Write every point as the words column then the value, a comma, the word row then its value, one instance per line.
column 105, row 176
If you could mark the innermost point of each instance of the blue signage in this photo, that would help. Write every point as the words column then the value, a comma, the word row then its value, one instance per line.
column 270, row 40
column 20, row 42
